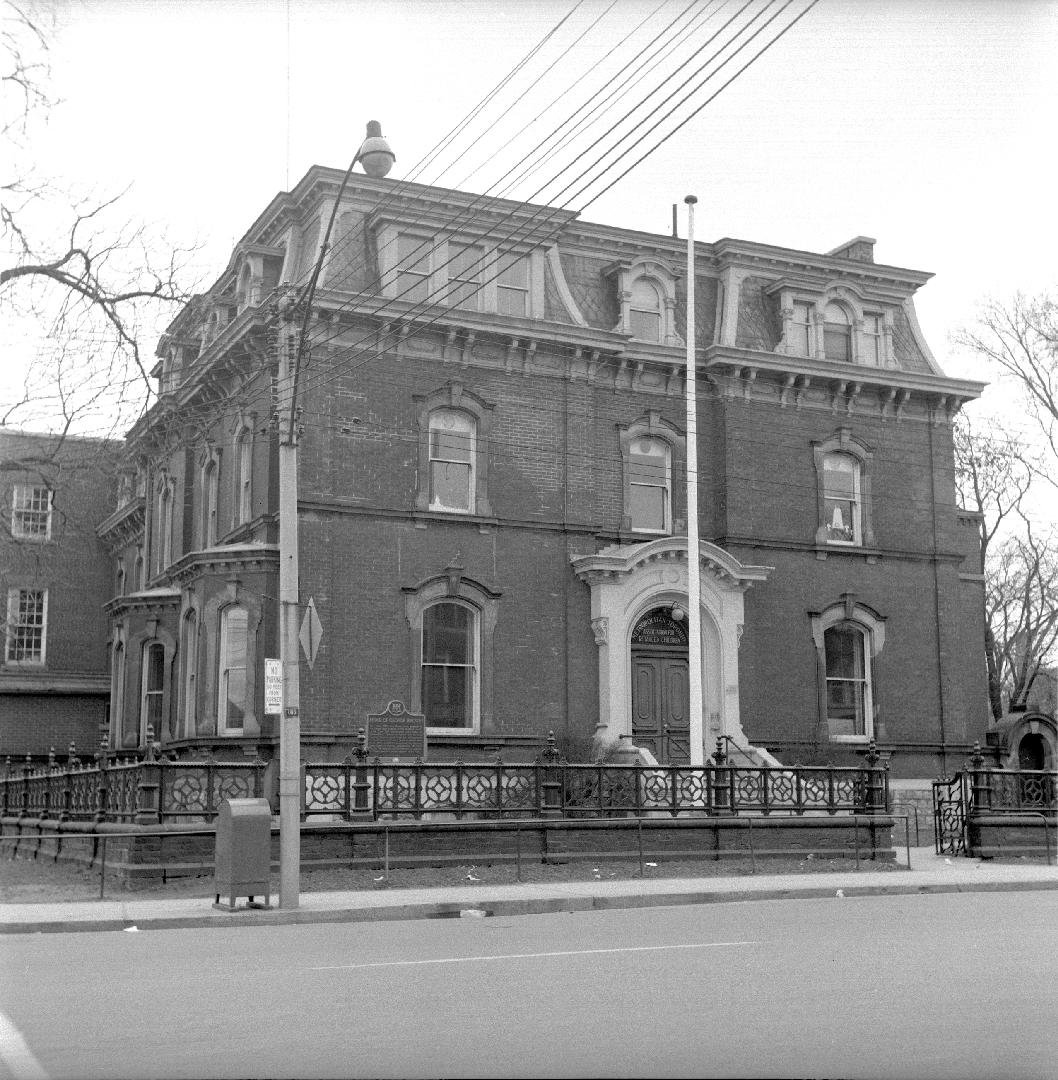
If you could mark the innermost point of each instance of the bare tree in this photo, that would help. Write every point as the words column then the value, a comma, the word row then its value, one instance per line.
column 1022, row 611
column 994, row 473
column 85, row 282
column 1021, row 339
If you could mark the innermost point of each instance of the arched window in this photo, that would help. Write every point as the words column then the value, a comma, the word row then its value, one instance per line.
column 163, row 547
column 152, row 691
column 449, row 675
column 190, row 651
column 210, row 494
column 848, row 677
column 452, row 460
column 119, row 579
column 644, row 313
column 117, row 694
column 231, row 686
column 650, row 486
column 137, row 571
column 842, row 517
column 837, row 333
column 243, row 475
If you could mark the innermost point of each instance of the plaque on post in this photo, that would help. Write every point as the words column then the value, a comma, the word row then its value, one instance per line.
column 396, row 733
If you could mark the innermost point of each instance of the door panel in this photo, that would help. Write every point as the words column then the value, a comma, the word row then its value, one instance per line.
column 676, row 696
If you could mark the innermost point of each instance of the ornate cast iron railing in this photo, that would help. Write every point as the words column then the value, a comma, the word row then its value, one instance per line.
column 359, row 788
column 980, row 790
column 111, row 789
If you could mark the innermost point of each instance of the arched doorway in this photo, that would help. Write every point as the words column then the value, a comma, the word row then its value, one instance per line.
column 1032, row 752
column 660, row 692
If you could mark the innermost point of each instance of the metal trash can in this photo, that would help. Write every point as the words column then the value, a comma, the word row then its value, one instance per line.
column 243, row 855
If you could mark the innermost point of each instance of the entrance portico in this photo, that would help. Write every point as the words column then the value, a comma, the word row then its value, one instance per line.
column 628, row 581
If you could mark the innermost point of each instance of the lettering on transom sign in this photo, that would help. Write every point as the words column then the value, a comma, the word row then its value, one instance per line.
column 658, row 627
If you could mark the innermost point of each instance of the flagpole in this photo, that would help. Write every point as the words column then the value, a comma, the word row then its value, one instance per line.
column 694, row 588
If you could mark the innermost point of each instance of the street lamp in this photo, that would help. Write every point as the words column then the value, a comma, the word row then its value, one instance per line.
column 377, row 159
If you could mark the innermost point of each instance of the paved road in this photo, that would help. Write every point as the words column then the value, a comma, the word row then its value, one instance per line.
column 957, row 985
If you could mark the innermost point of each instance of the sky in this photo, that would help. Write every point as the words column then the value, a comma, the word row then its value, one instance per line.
column 926, row 124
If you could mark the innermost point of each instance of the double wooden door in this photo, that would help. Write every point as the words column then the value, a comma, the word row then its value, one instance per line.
column 660, row 701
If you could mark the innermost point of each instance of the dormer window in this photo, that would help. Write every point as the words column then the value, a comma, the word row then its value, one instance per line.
column 512, row 286
column 837, row 334
column 872, row 340
column 646, row 289
column 799, row 337
column 644, row 315
column 461, row 272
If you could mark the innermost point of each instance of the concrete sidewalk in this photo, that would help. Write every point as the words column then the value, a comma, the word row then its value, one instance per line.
column 928, row 873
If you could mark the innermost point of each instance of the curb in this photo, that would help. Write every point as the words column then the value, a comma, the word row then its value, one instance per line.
column 544, row 905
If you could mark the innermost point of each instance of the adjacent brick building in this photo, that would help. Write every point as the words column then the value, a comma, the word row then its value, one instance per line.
column 492, row 512
column 54, row 577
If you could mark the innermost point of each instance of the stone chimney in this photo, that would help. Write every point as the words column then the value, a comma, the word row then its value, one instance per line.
column 858, row 249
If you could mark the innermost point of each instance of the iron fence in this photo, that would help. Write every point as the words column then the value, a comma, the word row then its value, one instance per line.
column 361, row 789
column 123, row 790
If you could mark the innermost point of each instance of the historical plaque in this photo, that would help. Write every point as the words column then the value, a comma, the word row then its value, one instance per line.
column 658, row 627
column 396, row 733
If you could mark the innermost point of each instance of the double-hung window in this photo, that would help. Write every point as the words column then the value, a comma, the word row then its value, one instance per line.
column 650, row 479
column 450, row 665
column 452, row 448
column 31, row 512
column 512, row 286
column 644, row 313
column 153, row 690
column 210, row 496
column 243, row 475
column 464, row 275
column 231, row 704
column 872, row 340
column 841, row 499
column 837, row 333
column 27, row 620
column 413, row 268
column 800, row 335
column 848, row 678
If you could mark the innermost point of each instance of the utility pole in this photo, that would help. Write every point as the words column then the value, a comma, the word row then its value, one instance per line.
column 290, row 717
column 377, row 159
column 694, row 585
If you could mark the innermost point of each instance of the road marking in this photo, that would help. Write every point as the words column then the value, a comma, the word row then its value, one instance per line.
column 15, row 1055
column 532, row 956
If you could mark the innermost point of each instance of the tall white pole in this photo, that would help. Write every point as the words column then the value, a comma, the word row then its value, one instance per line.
column 694, row 587
column 290, row 720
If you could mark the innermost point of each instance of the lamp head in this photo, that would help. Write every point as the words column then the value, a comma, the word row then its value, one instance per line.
column 677, row 613
column 374, row 154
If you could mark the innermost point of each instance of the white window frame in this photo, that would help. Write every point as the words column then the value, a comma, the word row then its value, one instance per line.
column 655, row 312
column 847, row 613
column 210, row 502
column 433, row 265
column 800, row 341
column 872, row 338
column 665, row 484
column 148, row 695
column 864, row 682
column 190, row 651
column 242, row 480
column 15, row 626
column 844, row 328
column 461, row 416
column 24, row 508
column 856, row 501
column 163, row 545
column 475, row 667
column 225, row 669
column 470, row 280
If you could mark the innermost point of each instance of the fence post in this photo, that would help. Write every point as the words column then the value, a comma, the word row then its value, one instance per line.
column 876, row 781
column 360, row 786
column 722, row 802
column 980, row 781
column 553, row 780
column 149, row 786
